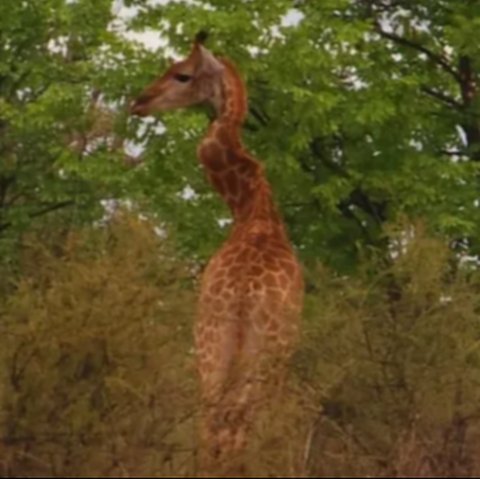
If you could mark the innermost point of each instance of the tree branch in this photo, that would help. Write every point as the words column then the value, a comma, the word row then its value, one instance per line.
column 41, row 212
column 453, row 152
column 443, row 97
column 259, row 116
column 434, row 57
column 5, row 183
column 50, row 208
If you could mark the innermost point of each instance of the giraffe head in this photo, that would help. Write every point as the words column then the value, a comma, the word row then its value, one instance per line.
column 197, row 79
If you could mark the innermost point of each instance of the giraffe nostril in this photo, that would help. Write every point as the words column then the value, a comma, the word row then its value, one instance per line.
column 137, row 107
column 132, row 108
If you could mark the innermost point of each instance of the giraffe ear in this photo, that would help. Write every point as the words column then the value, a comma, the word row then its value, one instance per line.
column 208, row 64
column 205, row 62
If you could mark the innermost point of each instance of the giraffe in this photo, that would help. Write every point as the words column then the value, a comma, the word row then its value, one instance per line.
column 251, row 292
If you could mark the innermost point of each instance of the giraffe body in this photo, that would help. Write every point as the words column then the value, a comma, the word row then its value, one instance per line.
column 251, row 291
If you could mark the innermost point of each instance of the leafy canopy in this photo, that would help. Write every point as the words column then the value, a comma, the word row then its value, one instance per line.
column 361, row 112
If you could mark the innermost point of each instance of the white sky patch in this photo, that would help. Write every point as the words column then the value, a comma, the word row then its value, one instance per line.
column 147, row 126
column 386, row 24
column 445, row 299
column 292, row 18
column 150, row 124
column 352, row 80
column 153, row 40
column 358, row 84
column 395, row 23
column 59, row 45
column 447, row 50
column 399, row 245
column 224, row 222
column 160, row 232
column 94, row 144
column 106, row 58
column 188, row 193
column 158, row 128
column 275, row 32
column 123, row 12
column 254, row 51
column 469, row 261
column 416, row 144
column 420, row 25
column 134, row 149
column 23, row 93
column 149, row 38
column 110, row 207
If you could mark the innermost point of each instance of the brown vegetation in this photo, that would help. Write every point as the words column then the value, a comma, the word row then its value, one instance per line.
column 97, row 373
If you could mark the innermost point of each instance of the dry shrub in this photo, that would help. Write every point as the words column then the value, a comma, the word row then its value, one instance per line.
column 396, row 361
column 282, row 433
column 97, row 373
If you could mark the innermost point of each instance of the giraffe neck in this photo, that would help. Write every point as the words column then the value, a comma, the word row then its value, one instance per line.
column 230, row 96
column 233, row 172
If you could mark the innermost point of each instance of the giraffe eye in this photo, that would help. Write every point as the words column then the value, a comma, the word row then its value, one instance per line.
column 182, row 78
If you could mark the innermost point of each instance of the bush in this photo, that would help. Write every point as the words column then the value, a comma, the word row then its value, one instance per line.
column 395, row 358
column 97, row 373
column 96, row 368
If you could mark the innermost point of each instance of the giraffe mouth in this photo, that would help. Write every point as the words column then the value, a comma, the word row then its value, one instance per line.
column 139, row 108
column 142, row 104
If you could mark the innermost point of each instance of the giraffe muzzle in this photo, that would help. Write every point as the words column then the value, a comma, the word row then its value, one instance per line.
column 138, row 108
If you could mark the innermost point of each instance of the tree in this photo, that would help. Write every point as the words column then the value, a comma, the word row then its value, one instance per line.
column 361, row 111
column 63, row 73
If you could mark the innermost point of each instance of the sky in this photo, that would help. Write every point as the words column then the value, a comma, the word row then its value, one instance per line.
column 152, row 39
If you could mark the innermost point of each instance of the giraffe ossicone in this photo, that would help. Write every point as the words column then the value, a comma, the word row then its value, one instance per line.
column 251, row 292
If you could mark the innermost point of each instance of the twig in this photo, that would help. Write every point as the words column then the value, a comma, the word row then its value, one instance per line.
column 434, row 57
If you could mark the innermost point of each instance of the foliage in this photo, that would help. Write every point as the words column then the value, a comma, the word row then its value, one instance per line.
column 96, row 370
column 396, row 361
column 62, row 85
column 361, row 111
